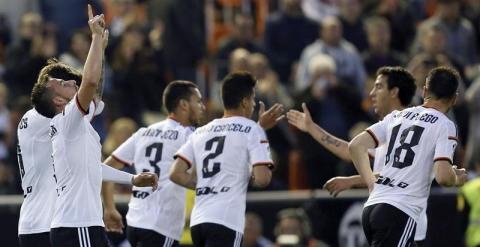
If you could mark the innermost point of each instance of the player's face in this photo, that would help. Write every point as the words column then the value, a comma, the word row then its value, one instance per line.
column 380, row 96
column 65, row 90
column 197, row 108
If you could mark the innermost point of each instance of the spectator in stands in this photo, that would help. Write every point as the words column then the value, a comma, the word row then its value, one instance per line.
column 6, row 179
column 379, row 53
column 472, row 96
column 137, row 76
column 352, row 22
column 185, row 37
column 401, row 18
column 460, row 35
column 294, row 228
column 348, row 62
column 78, row 50
column 335, row 107
column 124, row 16
column 252, row 236
column 68, row 16
column 270, row 91
column 282, row 50
column 25, row 59
column 243, row 36
column 5, row 124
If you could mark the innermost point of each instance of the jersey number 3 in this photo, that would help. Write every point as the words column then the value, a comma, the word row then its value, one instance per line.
column 405, row 146
column 157, row 146
column 220, row 140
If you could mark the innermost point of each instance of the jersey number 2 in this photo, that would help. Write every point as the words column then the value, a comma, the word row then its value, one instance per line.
column 404, row 145
column 220, row 140
column 158, row 147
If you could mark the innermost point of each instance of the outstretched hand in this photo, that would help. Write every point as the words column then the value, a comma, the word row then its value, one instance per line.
column 146, row 179
column 336, row 185
column 302, row 120
column 268, row 119
column 113, row 221
column 96, row 23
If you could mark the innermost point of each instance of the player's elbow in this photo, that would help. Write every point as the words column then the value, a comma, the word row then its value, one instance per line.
column 174, row 176
column 353, row 145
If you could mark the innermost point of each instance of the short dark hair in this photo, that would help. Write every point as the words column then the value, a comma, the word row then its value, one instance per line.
column 41, row 97
column 237, row 86
column 176, row 91
column 402, row 79
column 442, row 82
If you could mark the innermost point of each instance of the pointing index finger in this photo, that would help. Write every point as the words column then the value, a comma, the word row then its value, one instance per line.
column 90, row 12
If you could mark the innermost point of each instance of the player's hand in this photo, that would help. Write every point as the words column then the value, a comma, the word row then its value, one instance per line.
column 268, row 119
column 146, row 179
column 113, row 220
column 337, row 184
column 302, row 120
column 105, row 39
column 96, row 23
column 461, row 176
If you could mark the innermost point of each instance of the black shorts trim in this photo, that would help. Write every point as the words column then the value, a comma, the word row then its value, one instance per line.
column 149, row 238
column 34, row 240
column 215, row 235
column 93, row 236
column 386, row 225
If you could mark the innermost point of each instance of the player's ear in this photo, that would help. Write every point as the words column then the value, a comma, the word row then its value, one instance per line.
column 394, row 92
column 183, row 104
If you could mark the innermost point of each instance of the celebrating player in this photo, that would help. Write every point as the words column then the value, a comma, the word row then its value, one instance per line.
column 224, row 155
column 420, row 143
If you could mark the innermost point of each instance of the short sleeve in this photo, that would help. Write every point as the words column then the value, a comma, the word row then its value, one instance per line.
column 125, row 153
column 71, row 117
column 186, row 152
column 446, row 143
column 379, row 131
column 259, row 149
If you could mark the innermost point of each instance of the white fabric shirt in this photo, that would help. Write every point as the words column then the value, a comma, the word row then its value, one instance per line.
column 415, row 137
column 152, row 150
column 77, row 167
column 223, row 153
column 34, row 153
column 378, row 164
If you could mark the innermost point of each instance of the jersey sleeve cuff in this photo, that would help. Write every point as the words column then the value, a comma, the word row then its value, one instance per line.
column 375, row 139
column 269, row 164
column 453, row 138
column 121, row 160
column 85, row 112
column 189, row 163
column 443, row 158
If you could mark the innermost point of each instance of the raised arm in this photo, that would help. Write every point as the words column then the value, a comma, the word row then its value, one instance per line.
column 93, row 66
column 358, row 149
column 303, row 121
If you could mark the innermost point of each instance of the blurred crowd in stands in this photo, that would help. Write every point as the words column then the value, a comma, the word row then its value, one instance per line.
column 321, row 52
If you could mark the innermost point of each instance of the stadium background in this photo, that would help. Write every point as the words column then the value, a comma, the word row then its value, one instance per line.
column 155, row 41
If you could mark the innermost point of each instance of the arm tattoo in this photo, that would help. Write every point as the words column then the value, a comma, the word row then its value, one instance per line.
column 330, row 141
column 99, row 92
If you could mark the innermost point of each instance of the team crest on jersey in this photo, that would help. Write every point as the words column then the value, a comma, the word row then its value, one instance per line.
column 53, row 131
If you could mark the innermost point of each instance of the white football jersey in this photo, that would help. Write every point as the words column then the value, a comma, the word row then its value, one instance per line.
column 378, row 164
column 223, row 153
column 152, row 150
column 77, row 167
column 415, row 137
column 34, row 153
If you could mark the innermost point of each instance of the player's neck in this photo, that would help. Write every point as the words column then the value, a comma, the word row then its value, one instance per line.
column 182, row 120
column 233, row 113
column 435, row 104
